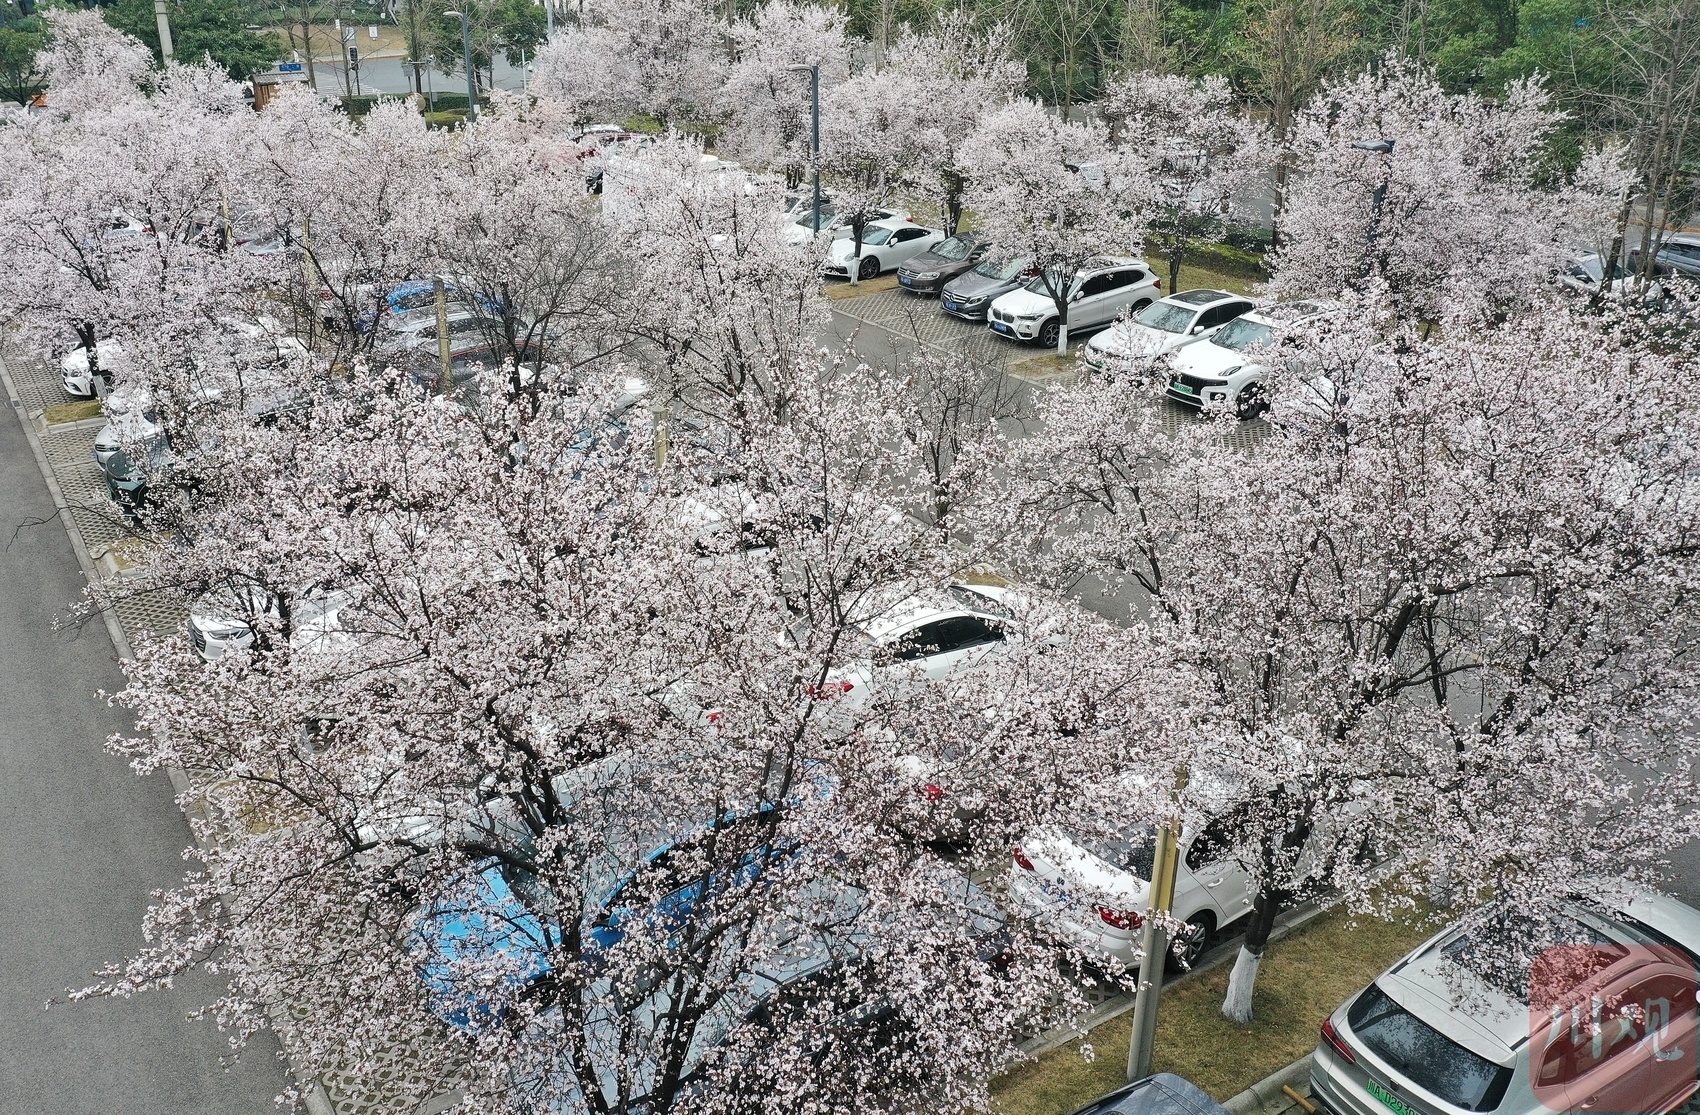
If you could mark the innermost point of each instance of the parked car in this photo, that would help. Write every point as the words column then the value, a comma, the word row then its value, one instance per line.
column 834, row 225
column 1585, row 274
column 1103, row 289
column 1227, row 370
column 928, row 272
column 74, row 372
column 971, row 295
column 1680, row 252
column 1434, row 1035
column 408, row 332
column 939, row 635
column 1166, row 325
column 1092, row 887
column 129, row 468
column 223, row 619
column 1161, row 1094
column 885, row 245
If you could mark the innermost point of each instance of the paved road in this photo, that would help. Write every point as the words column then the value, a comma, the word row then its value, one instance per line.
column 82, row 843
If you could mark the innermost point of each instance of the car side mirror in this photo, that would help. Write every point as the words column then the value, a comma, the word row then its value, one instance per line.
column 1197, row 329
column 1076, row 296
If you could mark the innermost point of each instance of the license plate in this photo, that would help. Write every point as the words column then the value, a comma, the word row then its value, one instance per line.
column 906, row 280
column 950, row 305
column 1181, row 387
column 1000, row 327
column 1391, row 1100
column 1057, row 893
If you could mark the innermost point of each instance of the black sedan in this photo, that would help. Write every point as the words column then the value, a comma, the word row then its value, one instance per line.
column 928, row 272
column 970, row 295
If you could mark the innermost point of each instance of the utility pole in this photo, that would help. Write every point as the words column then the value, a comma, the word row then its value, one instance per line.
column 445, row 375
column 1384, row 148
column 549, row 18
column 471, row 78
column 165, row 47
column 813, row 70
column 1154, row 950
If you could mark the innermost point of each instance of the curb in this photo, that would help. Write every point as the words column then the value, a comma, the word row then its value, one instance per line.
column 314, row 1096
column 1266, row 1095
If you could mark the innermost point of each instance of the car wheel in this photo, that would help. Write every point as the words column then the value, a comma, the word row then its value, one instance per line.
column 869, row 268
column 1139, row 305
column 1251, row 402
column 1049, row 332
column 1190, row 943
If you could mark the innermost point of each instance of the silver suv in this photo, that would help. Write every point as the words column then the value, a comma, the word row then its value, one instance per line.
column 1431, row 1036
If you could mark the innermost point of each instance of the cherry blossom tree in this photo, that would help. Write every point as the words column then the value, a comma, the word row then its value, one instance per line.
column 658, row 58
column 437, row 810
column 1197, row 144
column 940, row 83
column 1460, row 225
column 1432, row 612
column 765, row 101
column 1055, row 193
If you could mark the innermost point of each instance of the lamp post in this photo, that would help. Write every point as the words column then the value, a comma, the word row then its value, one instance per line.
column 164, row 22
column 1384, row 148
column 423, row 64
column 466, row 55
column 813, row 70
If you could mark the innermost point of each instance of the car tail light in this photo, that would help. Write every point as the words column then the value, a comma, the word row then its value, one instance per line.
column 934, row 791
column 1121, row 919
column 830, row 689
column 1332, row 1037
column 1159, row 279
column 1021, row 860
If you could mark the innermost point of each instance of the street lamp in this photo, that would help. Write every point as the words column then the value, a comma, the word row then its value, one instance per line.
column 466, row 54
column 1384, row 148
column 813, row 70
column 430, row 83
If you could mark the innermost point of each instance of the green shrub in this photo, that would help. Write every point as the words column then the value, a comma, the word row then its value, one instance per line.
column 445, row 119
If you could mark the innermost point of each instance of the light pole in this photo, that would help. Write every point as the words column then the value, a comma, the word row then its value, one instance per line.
column 1384, row 148
column 424, row 64
column 813, row 70
column 160, row 17
column 466, row 55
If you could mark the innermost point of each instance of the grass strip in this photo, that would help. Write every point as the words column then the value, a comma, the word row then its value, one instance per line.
column 1304, row 977
column 72, row 412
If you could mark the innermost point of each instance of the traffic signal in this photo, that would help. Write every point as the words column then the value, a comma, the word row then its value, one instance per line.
column 354, row 56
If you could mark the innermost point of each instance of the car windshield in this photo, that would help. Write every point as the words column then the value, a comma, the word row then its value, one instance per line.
column 1425, row 1056
column 1166, row 316
column 1037, row 286
column 1132, row 850
column 1006, row 269
column 1241, row 333
column 415, row 301
column 876, row 235
column 957, row 247
column 807, row 220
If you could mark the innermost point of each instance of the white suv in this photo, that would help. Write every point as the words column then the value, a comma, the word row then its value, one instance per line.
column 1102, row 290
column 1166, row 325
column 1225, row 371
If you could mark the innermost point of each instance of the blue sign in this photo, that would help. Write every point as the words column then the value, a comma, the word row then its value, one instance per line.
column 289, row 67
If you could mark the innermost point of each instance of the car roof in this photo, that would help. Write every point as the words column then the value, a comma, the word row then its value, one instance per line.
column 1107, row 263
column 1162, row 1094
column 896, row 222
column 1203, row 296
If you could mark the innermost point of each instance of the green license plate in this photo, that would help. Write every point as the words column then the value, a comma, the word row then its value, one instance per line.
column 1391, row 1100
column 1180, row 387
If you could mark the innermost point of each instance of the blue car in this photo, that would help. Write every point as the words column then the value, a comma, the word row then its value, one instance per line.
column 479, row 922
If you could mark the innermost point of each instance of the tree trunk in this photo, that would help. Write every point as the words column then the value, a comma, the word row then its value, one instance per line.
column 856, row 227
column 1062, row 327
column 1175, row 270
column 1236, row 1007
column 97, row 374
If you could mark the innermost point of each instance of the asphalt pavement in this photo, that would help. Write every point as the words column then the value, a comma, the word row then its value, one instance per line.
column 83, row 842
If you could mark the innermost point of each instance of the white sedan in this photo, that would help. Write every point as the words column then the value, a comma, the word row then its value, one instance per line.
column 885, row 245
column 1090, row 888
column 833, row 225
column 74, row 371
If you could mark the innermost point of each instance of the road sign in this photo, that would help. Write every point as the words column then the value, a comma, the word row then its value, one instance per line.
column 289, row 67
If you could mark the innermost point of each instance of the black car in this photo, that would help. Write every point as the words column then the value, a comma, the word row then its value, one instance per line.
column 928, row 272
column 970, row 295
column 1161, row 1094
